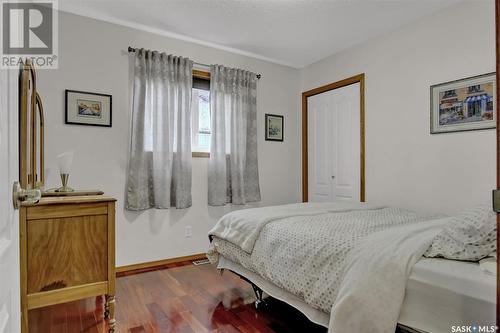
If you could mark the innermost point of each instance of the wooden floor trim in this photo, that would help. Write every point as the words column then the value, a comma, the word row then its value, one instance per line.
column 156, row 265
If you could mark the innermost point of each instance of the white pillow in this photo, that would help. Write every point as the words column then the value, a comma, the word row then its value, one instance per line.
column 470, row 235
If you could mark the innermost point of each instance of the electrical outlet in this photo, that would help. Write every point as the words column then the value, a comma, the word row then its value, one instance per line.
column 188, row 232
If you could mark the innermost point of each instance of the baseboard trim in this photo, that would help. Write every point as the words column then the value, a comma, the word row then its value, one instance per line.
column 156, row 265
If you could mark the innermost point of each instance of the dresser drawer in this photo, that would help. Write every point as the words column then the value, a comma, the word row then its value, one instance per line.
column 66, row 252
column 68, row 210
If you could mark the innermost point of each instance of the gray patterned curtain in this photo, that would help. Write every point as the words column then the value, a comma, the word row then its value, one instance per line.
column 233, row 175
column 159, row 169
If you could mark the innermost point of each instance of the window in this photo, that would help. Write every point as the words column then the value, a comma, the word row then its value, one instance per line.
column 200, row 112
column 200, row 121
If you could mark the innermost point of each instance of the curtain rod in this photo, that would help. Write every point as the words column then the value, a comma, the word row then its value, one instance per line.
column 132, row 50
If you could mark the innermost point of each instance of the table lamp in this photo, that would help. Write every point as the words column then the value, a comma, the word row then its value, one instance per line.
column 64, row 161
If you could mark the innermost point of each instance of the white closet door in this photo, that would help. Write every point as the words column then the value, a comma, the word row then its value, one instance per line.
column 334, row 145
column 319, row 120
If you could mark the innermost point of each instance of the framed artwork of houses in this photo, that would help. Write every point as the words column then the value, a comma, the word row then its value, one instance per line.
column 464, row 105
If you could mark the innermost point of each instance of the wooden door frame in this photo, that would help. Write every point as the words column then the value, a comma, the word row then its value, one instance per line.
column 360, row 78
column 497, row 35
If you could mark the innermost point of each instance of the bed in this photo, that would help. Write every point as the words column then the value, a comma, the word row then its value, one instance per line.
column 315, row 256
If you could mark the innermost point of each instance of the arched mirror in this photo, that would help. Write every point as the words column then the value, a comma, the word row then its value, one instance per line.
column 31, row 130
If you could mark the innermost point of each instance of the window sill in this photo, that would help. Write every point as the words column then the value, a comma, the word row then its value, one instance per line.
column 201, row 154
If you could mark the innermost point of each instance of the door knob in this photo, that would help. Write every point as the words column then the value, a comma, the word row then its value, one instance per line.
column 333, row 177
column 21, row 195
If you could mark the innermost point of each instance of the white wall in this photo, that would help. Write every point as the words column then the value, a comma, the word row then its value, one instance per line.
column 93, row 57
column 405, row 165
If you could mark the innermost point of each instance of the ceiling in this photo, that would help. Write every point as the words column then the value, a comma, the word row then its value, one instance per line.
column 290, row 32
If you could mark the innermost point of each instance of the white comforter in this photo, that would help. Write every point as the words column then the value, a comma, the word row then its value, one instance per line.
column 372, row 290
column 243, row 227
column 349, row 261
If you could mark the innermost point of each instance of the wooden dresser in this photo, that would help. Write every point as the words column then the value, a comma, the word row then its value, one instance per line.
column 67, row 252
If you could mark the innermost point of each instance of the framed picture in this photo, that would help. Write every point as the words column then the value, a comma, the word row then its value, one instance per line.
column 274, row 127
column 86, row 108
column 464, row 105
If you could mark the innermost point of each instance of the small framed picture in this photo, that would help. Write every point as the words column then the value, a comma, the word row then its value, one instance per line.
column 274, row 127
column 86, row 108
column 464, row 105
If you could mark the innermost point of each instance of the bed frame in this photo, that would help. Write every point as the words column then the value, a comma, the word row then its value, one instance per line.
column 261, row 302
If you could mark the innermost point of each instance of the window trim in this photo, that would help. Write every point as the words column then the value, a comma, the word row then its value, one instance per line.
column 201, row 74
column 204, row 76
column 201, row 154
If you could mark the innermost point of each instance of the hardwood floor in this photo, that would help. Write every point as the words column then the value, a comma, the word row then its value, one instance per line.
column 181, row 298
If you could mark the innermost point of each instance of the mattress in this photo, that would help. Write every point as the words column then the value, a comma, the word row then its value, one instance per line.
column 439, row 293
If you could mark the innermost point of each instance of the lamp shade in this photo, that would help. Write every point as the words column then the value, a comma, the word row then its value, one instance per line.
column 64, row 161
